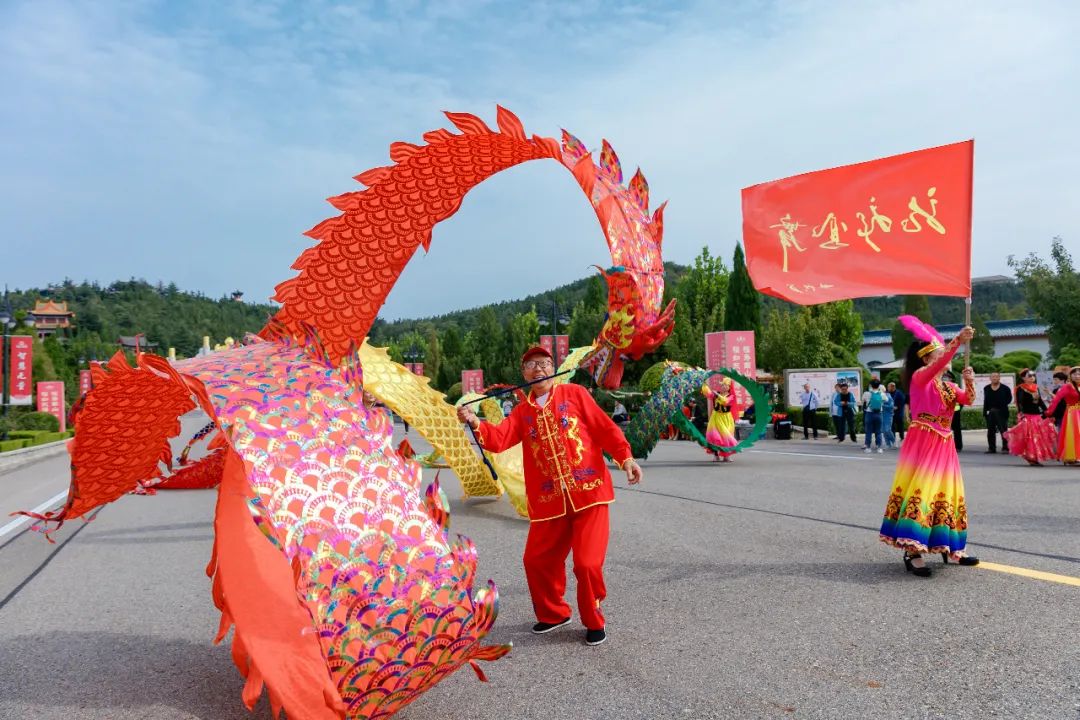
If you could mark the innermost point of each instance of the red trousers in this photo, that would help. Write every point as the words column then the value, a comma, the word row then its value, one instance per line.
column 548, row 544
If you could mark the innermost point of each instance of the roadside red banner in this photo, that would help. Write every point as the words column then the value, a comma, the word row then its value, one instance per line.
column 85, row 382
column 21, row 363
column 50, row 399
column 900, row 225
column 472, row 381
column 734, row 350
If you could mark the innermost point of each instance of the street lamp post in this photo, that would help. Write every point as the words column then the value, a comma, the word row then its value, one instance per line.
column 7, row 321
column 554, row 322
column 413, row 355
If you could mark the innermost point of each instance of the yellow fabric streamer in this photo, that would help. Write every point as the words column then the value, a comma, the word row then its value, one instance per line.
column 425, row 408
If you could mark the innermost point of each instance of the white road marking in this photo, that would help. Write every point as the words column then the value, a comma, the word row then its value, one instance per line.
column 820, row 455
column 18, row 523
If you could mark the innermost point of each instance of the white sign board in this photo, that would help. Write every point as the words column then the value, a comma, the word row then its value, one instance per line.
column 824, row 381
column 982, row 380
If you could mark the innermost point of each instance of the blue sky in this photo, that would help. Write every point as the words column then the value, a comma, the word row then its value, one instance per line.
column 195, row 142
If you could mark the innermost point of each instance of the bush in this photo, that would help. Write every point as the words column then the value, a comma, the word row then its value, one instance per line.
column 454, row 393
column 650, row 379
column 24, row 434
column 44, row 438
column 6, row 445
column 1020, row 359
column 38, row 421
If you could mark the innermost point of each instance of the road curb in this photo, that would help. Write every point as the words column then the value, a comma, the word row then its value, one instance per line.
column 15, row 459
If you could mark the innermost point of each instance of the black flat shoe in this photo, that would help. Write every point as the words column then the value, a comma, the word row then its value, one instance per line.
column 966, row 560
column 923, row 571
column 541, row 628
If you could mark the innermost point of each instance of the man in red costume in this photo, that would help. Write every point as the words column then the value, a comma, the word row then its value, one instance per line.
column 564, row 435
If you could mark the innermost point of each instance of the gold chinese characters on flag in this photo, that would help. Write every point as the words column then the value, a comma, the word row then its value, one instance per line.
column 900, row 225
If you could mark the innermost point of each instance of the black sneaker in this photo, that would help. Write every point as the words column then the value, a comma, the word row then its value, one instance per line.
column 541, row 628
column 595, row 637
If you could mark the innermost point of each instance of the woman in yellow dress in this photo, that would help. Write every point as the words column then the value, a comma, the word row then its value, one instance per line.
column 723, row 412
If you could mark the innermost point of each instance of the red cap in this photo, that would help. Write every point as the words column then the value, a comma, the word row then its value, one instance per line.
column 536, row 350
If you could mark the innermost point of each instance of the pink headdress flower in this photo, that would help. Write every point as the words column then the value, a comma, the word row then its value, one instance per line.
column 924, row 332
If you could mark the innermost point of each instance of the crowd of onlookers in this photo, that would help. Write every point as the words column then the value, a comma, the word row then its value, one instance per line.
column 886, row 415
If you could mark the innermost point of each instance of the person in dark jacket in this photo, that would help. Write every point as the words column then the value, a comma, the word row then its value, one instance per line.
column 847, row 403
column 996, row 401
column 957, row 426
column 899, row 418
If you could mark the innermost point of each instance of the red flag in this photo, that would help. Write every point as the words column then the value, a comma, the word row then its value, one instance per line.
column 900, row 225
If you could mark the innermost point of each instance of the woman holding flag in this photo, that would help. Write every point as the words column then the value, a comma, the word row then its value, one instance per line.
column 927, row 511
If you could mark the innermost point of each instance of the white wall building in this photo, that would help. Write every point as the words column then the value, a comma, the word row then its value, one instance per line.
column 1008, row 335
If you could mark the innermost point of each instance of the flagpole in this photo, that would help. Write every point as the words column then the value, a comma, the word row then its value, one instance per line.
column 967, row 323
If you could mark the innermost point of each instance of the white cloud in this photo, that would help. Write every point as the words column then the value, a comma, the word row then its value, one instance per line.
column 195, row 142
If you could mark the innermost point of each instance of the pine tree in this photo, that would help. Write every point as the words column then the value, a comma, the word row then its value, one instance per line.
column 742, row 311
column 917, row 305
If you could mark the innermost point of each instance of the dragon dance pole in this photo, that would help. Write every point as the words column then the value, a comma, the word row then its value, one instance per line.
column 518, row 387
column 494, row 475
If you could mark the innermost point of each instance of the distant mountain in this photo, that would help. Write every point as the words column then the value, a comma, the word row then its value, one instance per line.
column 165, row 314
column 993, row 298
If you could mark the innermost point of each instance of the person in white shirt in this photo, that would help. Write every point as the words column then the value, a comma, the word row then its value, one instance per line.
column 507, row 406
column 810, row 401
column 619, row 414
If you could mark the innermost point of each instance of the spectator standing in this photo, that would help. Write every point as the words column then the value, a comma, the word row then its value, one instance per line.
column 1059, row 411
column 846, row 402
column 810, row 401
column 957, row 426
column 888, row 411
column 873, row 404
column 899, row 412
column 996, row 401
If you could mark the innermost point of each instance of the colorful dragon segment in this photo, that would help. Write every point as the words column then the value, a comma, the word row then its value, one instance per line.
column 347, row 595
column 344, row 279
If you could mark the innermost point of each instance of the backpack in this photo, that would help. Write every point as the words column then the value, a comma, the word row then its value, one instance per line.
column 877, row 400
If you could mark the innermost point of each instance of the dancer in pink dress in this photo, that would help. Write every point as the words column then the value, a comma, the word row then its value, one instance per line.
column 926, row 511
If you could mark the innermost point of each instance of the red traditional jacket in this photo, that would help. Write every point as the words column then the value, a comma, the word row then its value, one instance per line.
column 563, row 445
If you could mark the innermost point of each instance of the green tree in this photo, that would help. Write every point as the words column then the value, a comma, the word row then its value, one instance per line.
column 433, row 354
column 982, row 343
column 700, row 295
column 917, row 305
column 742, row 309
column 793, row 340
column 1052, row 292
column 523, row 331
column 1068, row 355
column 842, row 324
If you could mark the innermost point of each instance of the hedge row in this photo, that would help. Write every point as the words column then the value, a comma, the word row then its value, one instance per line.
column 970, row 419
column 29, row 438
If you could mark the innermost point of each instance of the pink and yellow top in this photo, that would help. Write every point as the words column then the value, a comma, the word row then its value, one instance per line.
column 933, row 400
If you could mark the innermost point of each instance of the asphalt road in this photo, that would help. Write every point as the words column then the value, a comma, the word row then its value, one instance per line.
column 751, row 590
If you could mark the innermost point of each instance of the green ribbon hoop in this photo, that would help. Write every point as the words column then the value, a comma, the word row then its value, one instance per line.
column 761, row 419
